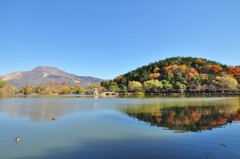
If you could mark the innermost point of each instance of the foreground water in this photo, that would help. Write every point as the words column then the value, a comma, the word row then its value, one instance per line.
column 149, row 127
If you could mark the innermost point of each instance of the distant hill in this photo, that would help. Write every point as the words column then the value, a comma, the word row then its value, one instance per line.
column 46, row 74
column 177, row 73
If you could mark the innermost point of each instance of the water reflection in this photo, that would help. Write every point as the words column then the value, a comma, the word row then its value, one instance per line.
column 100, row 128
column 45, row 109
column 203, row 116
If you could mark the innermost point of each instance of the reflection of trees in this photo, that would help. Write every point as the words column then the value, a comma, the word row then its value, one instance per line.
column 190, row 118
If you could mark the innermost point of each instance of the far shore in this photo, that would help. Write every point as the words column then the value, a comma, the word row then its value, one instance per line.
column 103, row 94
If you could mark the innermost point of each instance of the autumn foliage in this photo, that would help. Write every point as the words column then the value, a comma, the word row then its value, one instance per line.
column 154, row 75
column 186, row 73
column 234, row 72
column 191, row 118
column 52, row 88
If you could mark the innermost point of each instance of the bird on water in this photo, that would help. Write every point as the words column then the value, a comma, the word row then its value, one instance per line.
column 17, row 139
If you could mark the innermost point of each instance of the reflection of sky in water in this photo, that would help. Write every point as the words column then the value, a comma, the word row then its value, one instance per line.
column 97, row 128
column 75, row 130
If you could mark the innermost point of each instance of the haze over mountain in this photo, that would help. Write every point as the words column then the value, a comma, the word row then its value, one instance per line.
column 46, row 74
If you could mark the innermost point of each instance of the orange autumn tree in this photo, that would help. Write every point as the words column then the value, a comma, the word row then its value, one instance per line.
column 234, row 72
column 169, row 70
column 191, row 72
column 214, row 68
column 183, row 68
column 204, row 76
column 155, row 73
column 118, row 79
column 156, row 69
column 199, row 60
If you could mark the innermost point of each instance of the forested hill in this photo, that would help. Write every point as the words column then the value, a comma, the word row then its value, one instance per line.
column 188, row 73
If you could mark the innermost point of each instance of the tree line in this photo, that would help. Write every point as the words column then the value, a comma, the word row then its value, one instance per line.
column 58, row 88
column 6, row 89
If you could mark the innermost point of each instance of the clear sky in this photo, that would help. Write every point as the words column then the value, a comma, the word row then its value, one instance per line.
column 107, row 38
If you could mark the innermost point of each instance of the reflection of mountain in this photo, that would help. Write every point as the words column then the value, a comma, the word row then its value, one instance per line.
column 190, row 118
column 44, row 109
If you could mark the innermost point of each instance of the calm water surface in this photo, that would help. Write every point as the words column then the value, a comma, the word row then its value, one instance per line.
column 147, row 127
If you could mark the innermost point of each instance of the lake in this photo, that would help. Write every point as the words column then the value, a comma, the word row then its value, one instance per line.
column 120, row 127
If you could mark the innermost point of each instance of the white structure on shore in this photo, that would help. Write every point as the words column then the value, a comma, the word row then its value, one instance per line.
column 95, row 92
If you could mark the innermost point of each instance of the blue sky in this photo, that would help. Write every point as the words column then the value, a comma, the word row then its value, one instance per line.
column 107, row 38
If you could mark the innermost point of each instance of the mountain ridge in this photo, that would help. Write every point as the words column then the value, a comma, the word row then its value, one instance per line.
column 46, row 74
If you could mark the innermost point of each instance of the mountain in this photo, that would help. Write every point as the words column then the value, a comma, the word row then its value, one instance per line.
column 46, row 74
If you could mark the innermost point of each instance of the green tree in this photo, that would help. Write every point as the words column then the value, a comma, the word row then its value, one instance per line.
column 112, row 86
column 180, row 85
column 135, row 86
column 78, row 89
column 123, row 88
column 197, row 80
column 152, row 85
column 144, row 75
column 227, row 82
column 123, row 80
column 104, row 84
column 166, row 84
column 178, row 77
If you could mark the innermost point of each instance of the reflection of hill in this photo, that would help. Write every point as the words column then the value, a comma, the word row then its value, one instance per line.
column 190, row 118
